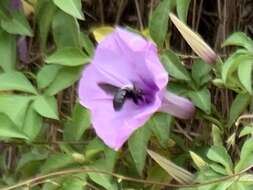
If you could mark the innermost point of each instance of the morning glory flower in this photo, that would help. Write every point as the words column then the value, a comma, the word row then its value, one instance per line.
column 127, row 65
column 15, row 4
column 22, row 49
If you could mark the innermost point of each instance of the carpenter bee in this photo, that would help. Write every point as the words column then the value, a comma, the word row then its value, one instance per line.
column 121, row 94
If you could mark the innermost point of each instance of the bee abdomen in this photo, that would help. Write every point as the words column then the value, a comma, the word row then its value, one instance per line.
column 119, row 99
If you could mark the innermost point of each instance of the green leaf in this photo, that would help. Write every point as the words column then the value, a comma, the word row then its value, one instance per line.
column 218, row 169
column 72, row 7
column 15, row 107
column 107, row 163
column 94, row 147
column 16, row 81
column 55, row 162
column 246, row 178
column 156, row 173
column 137, row 145
column 73, row 183
column 182, row 9
column 178, row 88
column 34, row 155
column 200, row 72
column 224, row 185
column 7, row 51
column 9, row 130
column 17, row 24
column 109, row 160
column 205, row 175
column 246, row 158
column 78, row 123
column 68, row 56
column 158, row 25
column 47, row 74
column 239, row 39
column 202, row 99
column 240, row 185
column 4, row 12
column 46, row 106
column 45, row 13
column 219, row 154
column 232, row 63
column 244, row 74
column 178, row 173
column 217, row 135
column 160, row 125
column 66, row 31
column 247, row 130
column 32, row 123
column 238, row 106
column 86, row 43
column 65, row 78
column 102, row 180
column 173, row 66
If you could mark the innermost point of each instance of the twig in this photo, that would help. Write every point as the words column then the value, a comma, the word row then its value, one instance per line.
column 246, row 116
column 29, row 182
column 139, row 14
column 45, row 143
column 184, row 56
column 91, row 186
column 122, row 5
column 90, row 15
column 101, row 11
column 199, row 15
column 194, row 14
column 151, row 8
column 182, row 131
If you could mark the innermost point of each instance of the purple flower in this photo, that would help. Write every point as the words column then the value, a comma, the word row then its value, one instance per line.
column 22, row 49
column 15, row 4
column 125, row 85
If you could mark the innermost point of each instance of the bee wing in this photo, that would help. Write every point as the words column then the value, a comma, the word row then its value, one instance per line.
column 108, row 88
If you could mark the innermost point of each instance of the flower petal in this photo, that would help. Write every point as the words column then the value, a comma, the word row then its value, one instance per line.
column 134, row 41
column 22, row 49
column 114, row 128
column 112, row 59
column 129, row 56
column 15, row 4
column 152, row 67
column 177, row 106
column 156, row 69
column 89, row 92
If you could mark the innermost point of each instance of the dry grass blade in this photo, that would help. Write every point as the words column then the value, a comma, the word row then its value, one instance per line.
column 181, row 175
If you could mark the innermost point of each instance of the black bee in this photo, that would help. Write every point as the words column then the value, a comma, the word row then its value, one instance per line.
column 121, row 94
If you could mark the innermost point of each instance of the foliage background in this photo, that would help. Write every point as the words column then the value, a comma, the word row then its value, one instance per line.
column 44, row 46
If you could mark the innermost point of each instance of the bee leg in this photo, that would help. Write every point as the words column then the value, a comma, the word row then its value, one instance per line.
column 137, row 98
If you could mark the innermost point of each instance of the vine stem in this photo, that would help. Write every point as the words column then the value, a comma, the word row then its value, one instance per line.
column 246, row 116
column 36, row 180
